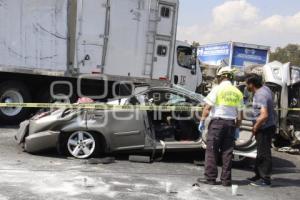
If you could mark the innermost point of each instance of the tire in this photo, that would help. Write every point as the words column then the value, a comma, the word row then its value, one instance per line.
column 70, row 142
column 14, row 92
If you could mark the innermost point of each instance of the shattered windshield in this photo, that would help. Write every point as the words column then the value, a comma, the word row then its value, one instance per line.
column 192, row 94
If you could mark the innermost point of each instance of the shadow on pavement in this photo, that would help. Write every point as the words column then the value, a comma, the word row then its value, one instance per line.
column 169, row 157
column 283, row 166
column 51, row 154
column 240, row 182
column 285, row 182
column 9, row 127
column 280, row 166
column 276, row 182
column 282, row 163
column 184, row 157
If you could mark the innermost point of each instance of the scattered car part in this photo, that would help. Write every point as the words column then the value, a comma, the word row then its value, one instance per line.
column 289, row 150
column 199, row 162
column 96, row 161
column 140, row 159
column 163, row 151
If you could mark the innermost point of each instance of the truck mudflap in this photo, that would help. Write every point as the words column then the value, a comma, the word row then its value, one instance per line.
column 22, row 132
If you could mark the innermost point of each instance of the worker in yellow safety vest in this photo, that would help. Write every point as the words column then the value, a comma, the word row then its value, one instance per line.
column 223, row 105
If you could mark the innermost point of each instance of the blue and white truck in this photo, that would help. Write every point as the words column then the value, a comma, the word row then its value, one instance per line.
column 239, row 56
column 234, row 54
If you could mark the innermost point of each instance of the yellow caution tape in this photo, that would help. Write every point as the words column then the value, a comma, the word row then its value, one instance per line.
column 104, row 106
column 101, row 106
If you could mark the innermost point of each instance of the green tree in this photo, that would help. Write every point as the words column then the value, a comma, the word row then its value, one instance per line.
column 195, row 44
column 290, row 53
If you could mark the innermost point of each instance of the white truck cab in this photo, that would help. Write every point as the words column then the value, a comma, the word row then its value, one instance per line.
column 186, row 70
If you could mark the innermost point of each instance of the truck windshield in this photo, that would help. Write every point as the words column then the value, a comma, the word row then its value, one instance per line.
column 184, row 56
column 295, row 75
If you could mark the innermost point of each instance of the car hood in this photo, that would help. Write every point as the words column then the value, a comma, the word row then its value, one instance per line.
column 58, row 120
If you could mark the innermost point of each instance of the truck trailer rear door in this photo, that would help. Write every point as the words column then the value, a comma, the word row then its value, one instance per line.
column 162, row 58
column 164, row 41
column 166, row 14
column 91, row 34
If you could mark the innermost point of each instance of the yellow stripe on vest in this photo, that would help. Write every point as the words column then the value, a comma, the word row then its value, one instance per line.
column 229, row 96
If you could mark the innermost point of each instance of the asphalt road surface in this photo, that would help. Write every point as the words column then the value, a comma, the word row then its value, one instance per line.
column 48, row 176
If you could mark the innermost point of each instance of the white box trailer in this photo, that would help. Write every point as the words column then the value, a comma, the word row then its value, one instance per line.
column 42, row 42
column 113, row 37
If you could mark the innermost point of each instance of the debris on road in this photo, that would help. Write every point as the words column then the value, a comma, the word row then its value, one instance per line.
column 140, row 159
column 96, row 161
column 289, row 150
column 199, row 162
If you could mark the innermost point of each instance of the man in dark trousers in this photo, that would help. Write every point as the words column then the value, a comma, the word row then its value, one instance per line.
column 222, row 105
column 263, row 129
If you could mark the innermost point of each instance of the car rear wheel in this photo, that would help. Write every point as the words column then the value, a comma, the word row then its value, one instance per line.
column 82, row 144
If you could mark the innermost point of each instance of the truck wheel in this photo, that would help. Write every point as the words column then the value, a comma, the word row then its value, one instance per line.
column 14, row 92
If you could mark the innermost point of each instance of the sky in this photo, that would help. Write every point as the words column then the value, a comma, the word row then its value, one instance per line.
column 274, row 23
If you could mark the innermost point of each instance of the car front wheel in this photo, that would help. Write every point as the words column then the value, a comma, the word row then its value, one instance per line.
column 81, row 144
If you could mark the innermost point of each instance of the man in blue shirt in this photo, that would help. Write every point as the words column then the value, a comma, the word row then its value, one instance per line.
column 263, row 129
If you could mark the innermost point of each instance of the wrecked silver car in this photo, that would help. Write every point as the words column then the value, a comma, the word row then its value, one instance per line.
column 284, row 81
column 84, row 133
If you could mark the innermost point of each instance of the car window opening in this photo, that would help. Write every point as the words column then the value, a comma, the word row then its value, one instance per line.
column 172, row 126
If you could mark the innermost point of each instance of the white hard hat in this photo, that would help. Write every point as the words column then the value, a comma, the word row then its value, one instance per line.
column 224, row 70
